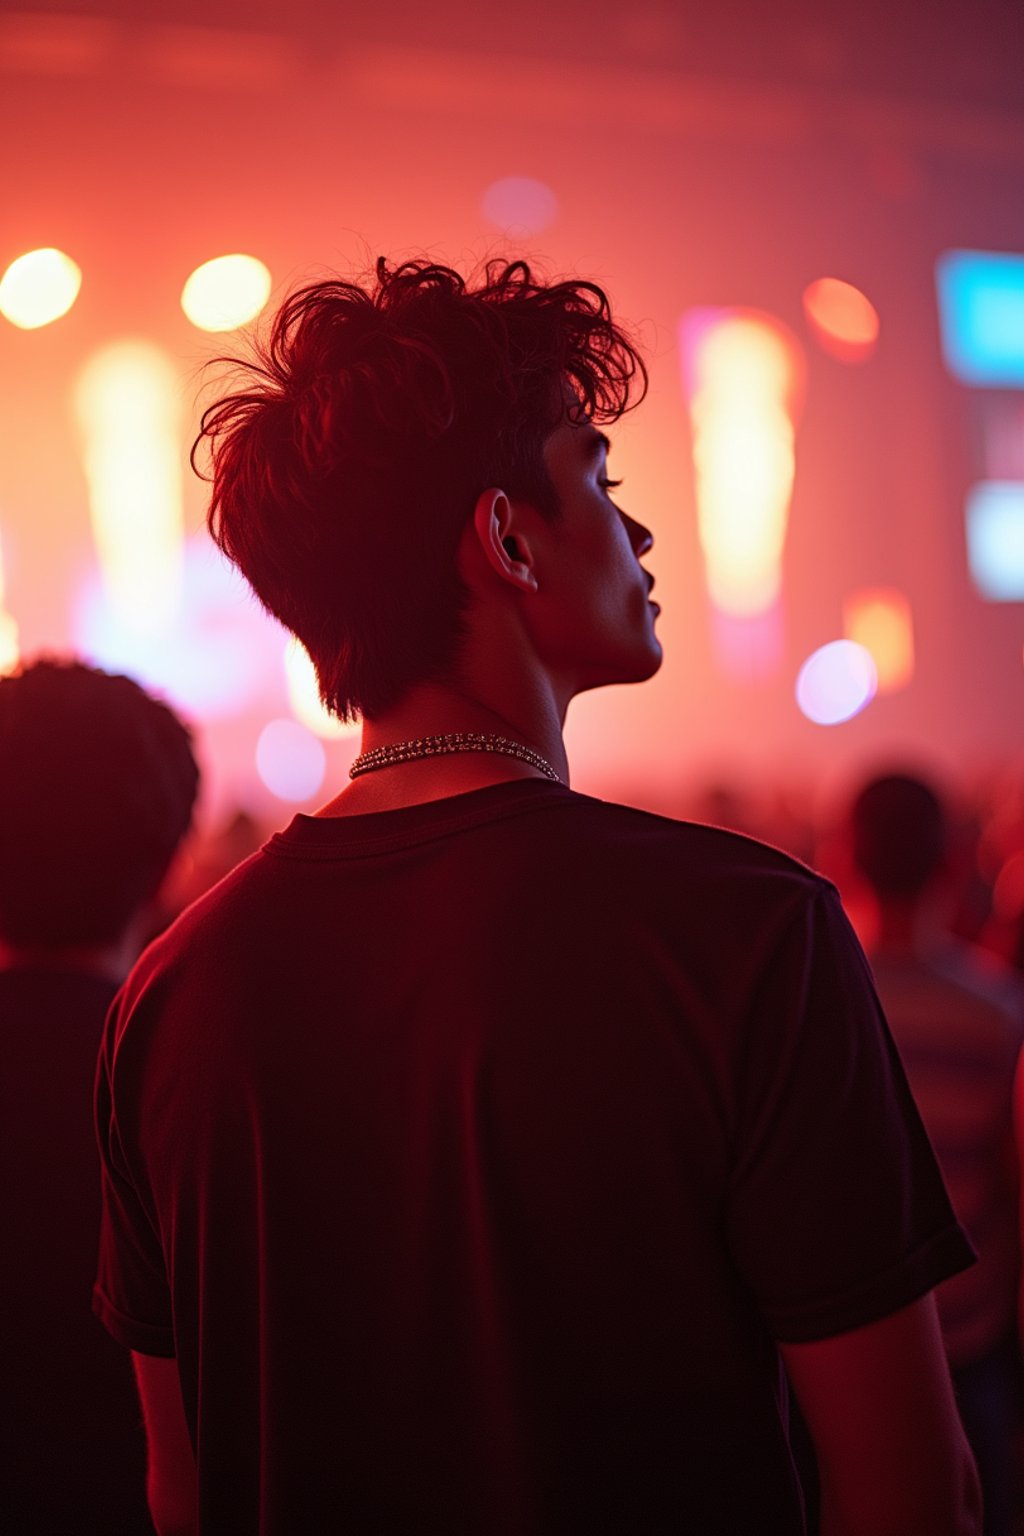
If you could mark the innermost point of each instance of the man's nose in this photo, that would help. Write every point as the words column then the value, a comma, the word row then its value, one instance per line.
column 641, row 538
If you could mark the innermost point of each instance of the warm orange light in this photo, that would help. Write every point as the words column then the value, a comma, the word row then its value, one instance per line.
column 39, row 287
column 843, row 321
column 10, row 651
column 226, row 292
column 128, row 403
column 304, row 695
column 744, row 373
column 880, row 620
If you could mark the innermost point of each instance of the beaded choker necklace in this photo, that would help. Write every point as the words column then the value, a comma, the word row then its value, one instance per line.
column 442, row 746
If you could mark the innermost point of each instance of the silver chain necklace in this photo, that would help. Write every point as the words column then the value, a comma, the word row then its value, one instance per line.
column 442, row 746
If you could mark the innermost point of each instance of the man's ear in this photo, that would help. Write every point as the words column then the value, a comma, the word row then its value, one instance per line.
column 503, row 539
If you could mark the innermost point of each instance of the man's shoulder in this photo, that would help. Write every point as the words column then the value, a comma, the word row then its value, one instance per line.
column 701, row 848
column 202, row 924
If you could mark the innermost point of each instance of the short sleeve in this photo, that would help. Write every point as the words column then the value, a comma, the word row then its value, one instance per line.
column 837, row 1212
column 131, row 1297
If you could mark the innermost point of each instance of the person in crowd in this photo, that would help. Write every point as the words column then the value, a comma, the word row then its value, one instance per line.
column 477, row 1154
column 957, row 1016
column 97, row 784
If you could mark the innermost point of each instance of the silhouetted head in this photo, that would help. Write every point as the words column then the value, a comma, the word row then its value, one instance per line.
column 347, row 464
column 97, row 787
column 899, row 835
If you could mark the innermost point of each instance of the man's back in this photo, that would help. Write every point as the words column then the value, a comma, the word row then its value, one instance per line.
column 476, row 1137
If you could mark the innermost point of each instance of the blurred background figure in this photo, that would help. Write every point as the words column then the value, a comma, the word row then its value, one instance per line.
column 97, row 787
column 212, row 854
column 957, row 1014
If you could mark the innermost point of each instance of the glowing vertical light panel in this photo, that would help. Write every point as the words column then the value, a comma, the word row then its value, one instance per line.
column 39, row 287
column 879, row 619
column 743, row 372
column 9, row 648
column 128, row 405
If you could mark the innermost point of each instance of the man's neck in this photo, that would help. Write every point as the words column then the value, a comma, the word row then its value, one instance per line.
column 436, row 711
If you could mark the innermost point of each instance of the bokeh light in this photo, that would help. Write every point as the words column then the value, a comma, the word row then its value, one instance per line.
column 39, row 287
column 843, row 321
column 836, row 682
column 128, row 403
column 744, row 374
column 226, row 292
column 10, row 651
column 214, row 658
column 304, row 695
column 290, row 760
column 981, row 315
column 995, row 539
column 879, row 619
column 520, row 203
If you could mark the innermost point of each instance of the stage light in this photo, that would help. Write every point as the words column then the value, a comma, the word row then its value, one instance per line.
column 129, row 407
column 290, row 760
column 10, row 652
column 743, row 372
column 304, row 695
column 520, row 203
column 843, row 321
column 226, row 292
column 879, row 619
column 39, row 287
column 995, row 539
column 215, row 658
column 836, row 682
column 981, row 314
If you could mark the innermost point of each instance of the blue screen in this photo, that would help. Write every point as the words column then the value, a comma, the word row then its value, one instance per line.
column 981, row 313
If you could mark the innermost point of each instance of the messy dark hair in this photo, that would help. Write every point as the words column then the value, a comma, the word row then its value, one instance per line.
column 349, row 459
column 97, row 786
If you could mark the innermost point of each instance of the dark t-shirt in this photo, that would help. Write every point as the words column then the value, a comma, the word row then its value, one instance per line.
column 72, row 1449
column 472, row 1156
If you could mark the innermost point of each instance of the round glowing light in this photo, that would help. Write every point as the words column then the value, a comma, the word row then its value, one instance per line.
column 843, row 320
column 226, row 292
column 304, row 695
column 836, row 682
column 520, row 203
column 39, row 287
column 290, row 760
